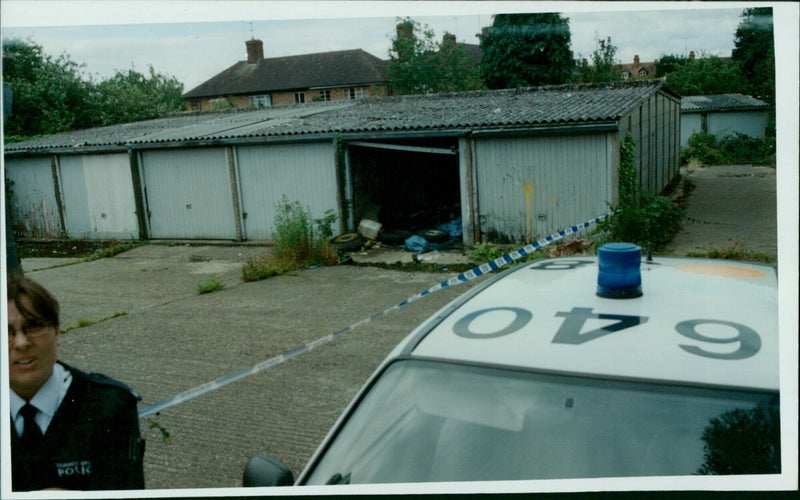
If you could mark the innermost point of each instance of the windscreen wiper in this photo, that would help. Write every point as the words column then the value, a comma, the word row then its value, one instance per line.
column 339, row 479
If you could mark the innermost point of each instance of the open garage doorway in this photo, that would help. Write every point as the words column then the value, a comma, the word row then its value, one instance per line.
column 409, row 186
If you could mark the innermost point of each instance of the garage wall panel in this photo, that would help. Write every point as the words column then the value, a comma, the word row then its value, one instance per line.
column 751, row 123
column 188, row 194
column 690, row 123
column 656, row 128
column 33, row 206
column 302, row 172
column 530, row 187
column 98, row 196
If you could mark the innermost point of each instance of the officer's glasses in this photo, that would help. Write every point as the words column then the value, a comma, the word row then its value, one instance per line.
column 33, row 330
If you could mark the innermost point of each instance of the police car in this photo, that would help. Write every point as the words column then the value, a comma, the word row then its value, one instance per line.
column 582, row 367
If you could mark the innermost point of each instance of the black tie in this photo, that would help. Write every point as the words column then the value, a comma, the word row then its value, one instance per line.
column 31, row 435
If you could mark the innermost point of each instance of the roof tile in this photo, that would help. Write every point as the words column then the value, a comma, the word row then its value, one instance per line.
column 324, row 69
column 720, row 102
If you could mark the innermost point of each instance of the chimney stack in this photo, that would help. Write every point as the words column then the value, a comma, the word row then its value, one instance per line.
column 691, row 55
column 255, row 51
column 405, row 32
column 448, row 39
column 636, row 59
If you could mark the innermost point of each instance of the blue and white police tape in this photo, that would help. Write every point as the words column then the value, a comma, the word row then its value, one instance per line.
column 461, row 278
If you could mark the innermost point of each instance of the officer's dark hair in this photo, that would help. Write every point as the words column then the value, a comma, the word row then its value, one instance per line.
column 44, row 306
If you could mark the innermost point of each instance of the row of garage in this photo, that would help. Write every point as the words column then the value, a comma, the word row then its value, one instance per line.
column 513, row 165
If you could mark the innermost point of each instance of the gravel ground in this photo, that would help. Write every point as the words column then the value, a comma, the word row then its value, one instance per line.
column 154, row 331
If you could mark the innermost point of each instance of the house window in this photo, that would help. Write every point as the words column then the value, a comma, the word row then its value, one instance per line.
column 260, row 101
column 196, row 105
column 642, row 73
column 299, row 97
column 324, row 95
column 355, row 93
column 625, row 75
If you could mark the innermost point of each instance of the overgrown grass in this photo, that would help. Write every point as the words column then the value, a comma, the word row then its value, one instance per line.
column 115, row 249
column 300, row 241
column 485, row 252
column 84, row 322
column 210, row 285
column 735, row 252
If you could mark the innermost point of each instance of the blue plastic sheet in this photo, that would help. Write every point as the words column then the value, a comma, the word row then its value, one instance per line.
column 417, row 244
column 453, row 228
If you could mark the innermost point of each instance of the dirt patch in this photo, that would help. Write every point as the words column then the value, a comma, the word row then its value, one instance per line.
column 62, row 248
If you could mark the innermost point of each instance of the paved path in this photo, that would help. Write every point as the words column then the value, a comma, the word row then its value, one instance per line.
column 731, row 207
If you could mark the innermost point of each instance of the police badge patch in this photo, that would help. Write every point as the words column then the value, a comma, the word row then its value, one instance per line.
column 75, row 468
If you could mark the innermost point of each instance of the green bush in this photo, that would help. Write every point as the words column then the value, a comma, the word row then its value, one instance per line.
column 741, row 148
column 734, row 149
column 702, row 146
column 645, row 219
column 650, row 224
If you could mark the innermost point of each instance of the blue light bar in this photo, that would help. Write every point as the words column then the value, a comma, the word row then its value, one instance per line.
column 619, row 276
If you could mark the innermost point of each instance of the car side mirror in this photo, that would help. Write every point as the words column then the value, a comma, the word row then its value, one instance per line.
column 265, row 471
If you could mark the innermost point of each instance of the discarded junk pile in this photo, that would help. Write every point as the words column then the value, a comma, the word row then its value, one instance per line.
column 419, row 241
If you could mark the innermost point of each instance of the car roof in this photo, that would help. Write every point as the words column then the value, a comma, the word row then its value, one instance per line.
column 699, row 322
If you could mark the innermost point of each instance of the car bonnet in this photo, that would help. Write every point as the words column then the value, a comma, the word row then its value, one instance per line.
column 699, row 322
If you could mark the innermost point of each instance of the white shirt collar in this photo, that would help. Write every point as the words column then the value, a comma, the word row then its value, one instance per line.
column 48, row 397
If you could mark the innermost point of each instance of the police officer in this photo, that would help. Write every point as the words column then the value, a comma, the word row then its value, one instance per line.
column 70, row 430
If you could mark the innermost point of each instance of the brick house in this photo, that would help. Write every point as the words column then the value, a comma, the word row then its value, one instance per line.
column 264, row 82
column 638, row 70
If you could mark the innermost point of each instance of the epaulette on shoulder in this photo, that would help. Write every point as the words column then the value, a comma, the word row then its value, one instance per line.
column 101, row 379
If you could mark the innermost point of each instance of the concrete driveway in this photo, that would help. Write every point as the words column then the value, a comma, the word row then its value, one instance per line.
column 731, row 207
column 152, row 330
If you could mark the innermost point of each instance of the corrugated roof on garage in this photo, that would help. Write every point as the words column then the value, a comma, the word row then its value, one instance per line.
column 242, row 124
column 553, row 105
column 720, row 102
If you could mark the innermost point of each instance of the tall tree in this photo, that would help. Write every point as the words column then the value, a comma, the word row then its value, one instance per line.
column 707, row 76
column 604, row 66
column 52, row 95
column 669, row 63
column 420, row 64
column 132, row 96
column 754, row 50
column 526, row 50
column 49, row 93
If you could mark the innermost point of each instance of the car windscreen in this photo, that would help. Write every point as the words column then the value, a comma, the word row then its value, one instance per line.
column 434, row 421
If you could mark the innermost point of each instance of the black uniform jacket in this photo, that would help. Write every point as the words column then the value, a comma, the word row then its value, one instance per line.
column 92, row 443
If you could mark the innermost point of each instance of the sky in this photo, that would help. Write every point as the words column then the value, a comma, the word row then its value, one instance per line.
column 108, row 36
